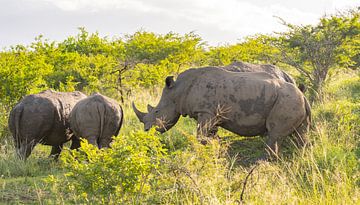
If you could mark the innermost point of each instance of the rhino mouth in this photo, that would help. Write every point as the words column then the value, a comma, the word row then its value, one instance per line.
column 161, row 130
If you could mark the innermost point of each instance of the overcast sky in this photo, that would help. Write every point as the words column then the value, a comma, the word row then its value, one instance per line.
column 216, row 21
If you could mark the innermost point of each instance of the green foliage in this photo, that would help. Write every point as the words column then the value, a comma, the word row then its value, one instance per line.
column 148, row 47
column 21, row 73
column 121, row 174
column 331, row 44
column 92, row 44
column 345, row 89
column 256, row 49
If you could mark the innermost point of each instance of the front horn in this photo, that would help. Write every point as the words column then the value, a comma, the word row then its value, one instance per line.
column 149, row 108
column 138, row 113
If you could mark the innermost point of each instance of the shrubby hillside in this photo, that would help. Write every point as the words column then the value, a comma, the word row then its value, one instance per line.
column 174, row 168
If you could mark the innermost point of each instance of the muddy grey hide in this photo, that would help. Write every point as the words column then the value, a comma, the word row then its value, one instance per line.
column 267, row 68
column 97, row 119
column 245, row 103
column 43, row 118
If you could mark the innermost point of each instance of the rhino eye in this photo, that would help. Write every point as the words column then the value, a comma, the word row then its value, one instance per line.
column 156, row 111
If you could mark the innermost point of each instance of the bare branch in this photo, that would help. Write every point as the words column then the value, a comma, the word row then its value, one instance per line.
column 297, row 66
column 245, row 182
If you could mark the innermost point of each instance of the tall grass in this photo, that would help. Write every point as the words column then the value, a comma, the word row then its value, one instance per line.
column 325, row 172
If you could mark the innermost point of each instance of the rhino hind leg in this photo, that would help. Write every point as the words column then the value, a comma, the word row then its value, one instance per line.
column 56, row 150
column 283, row 120
column 300, row 134
column 277, row 131
column 105, row 141
column 93, row 140
column 25, row 148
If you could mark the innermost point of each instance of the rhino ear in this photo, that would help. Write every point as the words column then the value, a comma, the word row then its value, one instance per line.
column 170, row 81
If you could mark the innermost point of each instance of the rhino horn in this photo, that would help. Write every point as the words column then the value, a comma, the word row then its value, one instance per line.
column 138, row 113
column 149, row 108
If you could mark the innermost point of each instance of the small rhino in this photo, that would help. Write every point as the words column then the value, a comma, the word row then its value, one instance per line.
column 43, row 118
column 96, row 118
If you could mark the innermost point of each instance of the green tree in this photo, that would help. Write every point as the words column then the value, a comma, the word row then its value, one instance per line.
column 21, row 72
column 314, row 50
column 254, row 49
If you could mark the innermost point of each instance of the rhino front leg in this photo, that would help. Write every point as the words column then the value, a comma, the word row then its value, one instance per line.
column 55, row 151
column 206, row 127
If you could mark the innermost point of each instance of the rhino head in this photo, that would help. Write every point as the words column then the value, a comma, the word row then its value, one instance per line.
column 164, row 115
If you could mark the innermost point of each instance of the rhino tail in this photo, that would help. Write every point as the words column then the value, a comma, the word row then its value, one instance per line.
column 305, row 126
column 302, row 87
column 308, row 111
column 121, row 121
column 17, row 118
column 101, row 110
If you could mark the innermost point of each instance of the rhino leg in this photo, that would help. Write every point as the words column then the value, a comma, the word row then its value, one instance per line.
column 283, row 119
column 300, row 134
column 24, row 149
column 75, row 143
column 92, row 140
column 105, row 142
column 206, row 127
column 273, row 145
column 55, row 151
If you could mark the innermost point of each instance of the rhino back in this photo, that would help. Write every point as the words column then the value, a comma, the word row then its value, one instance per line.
column 270, row 69
column 44, row 116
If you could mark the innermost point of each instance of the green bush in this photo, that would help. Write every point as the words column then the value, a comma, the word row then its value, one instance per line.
column 123, row 173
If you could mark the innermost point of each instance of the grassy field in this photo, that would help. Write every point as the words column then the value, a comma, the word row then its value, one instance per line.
column 223, row 172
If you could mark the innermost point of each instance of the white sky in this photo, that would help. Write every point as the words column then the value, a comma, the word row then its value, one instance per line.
column 216, row 21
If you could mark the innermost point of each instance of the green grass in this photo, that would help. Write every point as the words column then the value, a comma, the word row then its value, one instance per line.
column 326, row 172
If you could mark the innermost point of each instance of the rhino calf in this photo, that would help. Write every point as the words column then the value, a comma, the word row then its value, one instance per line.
column 96, row 118
column 255, row 103
column 42, row 118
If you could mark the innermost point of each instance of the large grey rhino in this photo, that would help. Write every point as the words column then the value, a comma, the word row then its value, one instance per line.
column 96, row 118
column 252, row 104
column 267, row 68
column 43, row 118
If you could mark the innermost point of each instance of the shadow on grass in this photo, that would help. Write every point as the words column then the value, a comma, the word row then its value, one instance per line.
column 246, row 151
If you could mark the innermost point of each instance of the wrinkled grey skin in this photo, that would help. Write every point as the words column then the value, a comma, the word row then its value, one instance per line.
column 252, row 103
column 43, row 118
column 96, row 118
column 267, row 68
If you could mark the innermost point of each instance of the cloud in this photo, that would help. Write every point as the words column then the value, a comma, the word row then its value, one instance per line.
column 344, row 4
column 216, row 21
column 99, row 5
column 226, row 15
